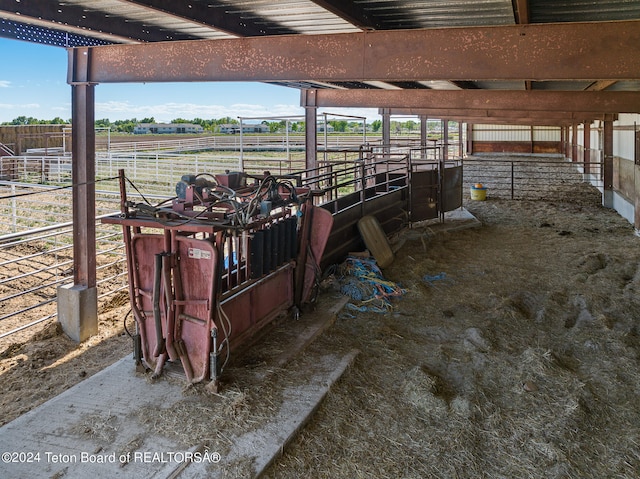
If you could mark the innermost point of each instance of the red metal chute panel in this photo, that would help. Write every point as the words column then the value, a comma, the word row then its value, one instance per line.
column 257, row 305
column 145, row 247
column 195, row 301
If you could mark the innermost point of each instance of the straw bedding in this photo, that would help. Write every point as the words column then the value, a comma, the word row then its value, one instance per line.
column 522, row 364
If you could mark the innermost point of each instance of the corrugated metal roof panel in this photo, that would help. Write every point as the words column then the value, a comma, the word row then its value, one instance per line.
column 395, row 14
column 560, row 85
column 116, row 10
column 549, row 11
column 302, row 16
column 500, row 85
column 631, row 85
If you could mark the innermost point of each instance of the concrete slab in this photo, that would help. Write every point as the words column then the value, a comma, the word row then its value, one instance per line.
column 254, row 451
column 455, row 220
column 97, row 428
column 459, row 218
column 57, row 439
column 78, row 311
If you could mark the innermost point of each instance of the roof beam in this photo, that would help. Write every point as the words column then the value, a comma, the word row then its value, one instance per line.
column 515, row 52
column 521, row 11
column 352, row 12
column 517, row 121
column 453, row 113
column 520, row 100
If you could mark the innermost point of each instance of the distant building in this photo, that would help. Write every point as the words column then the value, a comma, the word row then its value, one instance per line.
column 330, row 128
column 173, row 128
column 234, row 128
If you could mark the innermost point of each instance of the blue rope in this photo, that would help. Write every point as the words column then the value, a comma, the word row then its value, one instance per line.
column 362, row 281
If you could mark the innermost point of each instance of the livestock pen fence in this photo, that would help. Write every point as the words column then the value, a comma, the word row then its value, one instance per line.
column 36, row 213
column 531, row 176
column 36, row 237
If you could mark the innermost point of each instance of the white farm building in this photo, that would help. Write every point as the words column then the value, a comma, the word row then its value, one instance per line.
column 173, row 128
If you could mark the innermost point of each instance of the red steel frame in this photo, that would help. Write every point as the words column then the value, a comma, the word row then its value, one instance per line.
column 200, row 289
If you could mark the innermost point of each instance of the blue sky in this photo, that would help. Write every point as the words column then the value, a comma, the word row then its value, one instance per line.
column 33, row 84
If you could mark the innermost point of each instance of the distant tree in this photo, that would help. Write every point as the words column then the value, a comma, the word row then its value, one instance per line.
column 144, row 120
column 376, row 125
column 353, row 126
column 274, row 126
column 59, row 121
column 410, row 125
column 227, row 120
column 126, row 126
column 339, row 125
column 23, row 120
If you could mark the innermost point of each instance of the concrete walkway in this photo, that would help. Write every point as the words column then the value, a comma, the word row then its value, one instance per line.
column 100, row 427
column 55, row 440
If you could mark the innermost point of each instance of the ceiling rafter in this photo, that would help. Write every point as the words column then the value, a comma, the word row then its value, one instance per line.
column 521, row 11
column 352, row 12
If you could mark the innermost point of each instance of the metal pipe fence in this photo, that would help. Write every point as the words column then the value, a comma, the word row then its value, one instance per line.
column 526, row 177
column 36, row 251
column 36, row 241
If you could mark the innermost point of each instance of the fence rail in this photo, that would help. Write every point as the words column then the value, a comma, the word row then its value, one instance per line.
column 529, row 178
column 35, row 218
column 36, row 251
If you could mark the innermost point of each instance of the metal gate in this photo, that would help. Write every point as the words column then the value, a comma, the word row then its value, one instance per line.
column 436, row 188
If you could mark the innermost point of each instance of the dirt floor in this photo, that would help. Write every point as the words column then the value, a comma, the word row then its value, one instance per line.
column 520, row 361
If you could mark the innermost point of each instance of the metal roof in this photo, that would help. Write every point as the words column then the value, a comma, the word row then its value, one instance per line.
column 78, row 23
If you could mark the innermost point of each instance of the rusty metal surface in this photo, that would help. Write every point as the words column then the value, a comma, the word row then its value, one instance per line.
column 218, row 267
column 83, row 176
column 595, row 101
column 142, row 250
column 519, row 52
column 195, row 301
column 522, row 113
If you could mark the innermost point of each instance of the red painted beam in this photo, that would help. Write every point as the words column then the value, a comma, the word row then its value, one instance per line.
column 534, row 100
column 452, row 113
column 562, row 51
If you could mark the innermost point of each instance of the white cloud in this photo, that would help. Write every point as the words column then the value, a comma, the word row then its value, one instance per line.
column 170, row 111
column 18, row 106
column 5, row 83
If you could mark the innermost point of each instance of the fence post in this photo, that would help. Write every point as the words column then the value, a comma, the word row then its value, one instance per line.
column 14, row 208
column 512, row 179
